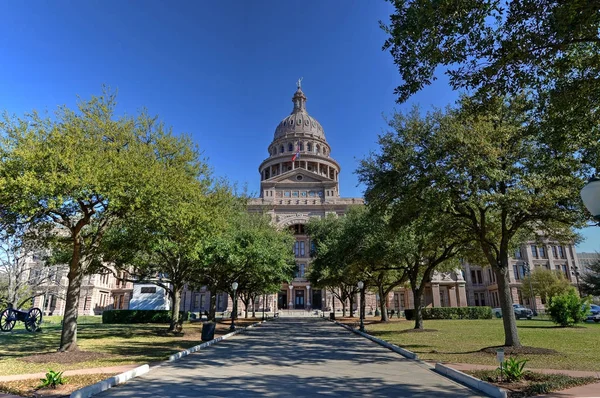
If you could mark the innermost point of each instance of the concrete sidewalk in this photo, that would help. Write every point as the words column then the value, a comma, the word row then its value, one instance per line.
column 303, row 357
column 590, row 390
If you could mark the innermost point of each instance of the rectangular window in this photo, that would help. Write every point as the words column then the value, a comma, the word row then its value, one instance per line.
column 302, row 249
column 518, row 253
column 516, row 271
column 473, row 277
column 534, row 251
column 479, row 277
column 561, row 252
column 554, row 252
column 295, row 194
column 482, row 299
column 311, row 194
column 201, row 301
column 565, row 271
column 297, row 249
column 286, row 194
column 522, row 271
column 542, row 252
column 301, row 269
column 303, row 194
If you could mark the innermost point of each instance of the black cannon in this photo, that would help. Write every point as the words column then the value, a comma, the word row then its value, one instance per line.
column 32, row 319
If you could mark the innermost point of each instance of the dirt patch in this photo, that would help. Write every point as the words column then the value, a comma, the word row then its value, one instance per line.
column 418, row 330
column 65, row 357
column 520, row 350
column 532, row 383
column 28, row 388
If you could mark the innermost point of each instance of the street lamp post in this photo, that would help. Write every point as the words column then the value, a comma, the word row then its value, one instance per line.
column 361, row 287
column 308, row 297
column 527, row 270
column 234, row 286
column 575, row 270
column 291, row 300
column 323, row 301
column 590, row 195
column 264, row 304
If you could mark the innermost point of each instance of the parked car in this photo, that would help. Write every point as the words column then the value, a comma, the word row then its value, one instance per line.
column 520, row 312
column 594, row 314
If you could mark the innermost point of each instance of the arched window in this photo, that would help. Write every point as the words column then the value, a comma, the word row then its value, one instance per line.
column 282, row 149
column 301, row 145
column 308, row 147
column 290, row 147
column 318, row 149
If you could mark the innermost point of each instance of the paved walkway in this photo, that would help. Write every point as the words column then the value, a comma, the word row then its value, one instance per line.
column 294, row 358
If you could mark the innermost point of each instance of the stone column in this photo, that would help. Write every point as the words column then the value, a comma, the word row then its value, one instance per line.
column 452, row 296
column 462, row 295
column 328, row 171
column 435, row 292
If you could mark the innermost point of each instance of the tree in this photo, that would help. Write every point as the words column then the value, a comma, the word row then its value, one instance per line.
column 545, row 284
column 251, row 252
column 547, row 48
column 591, row 279
column 78, row 173
column 330, row 268
column 488, row 171
column 22, row 270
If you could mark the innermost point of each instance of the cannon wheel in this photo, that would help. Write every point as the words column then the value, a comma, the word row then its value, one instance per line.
column 33, row 320
column 7, row 320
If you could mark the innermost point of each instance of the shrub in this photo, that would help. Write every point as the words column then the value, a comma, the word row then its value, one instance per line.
column 568, row 309
column 141, row 316
column 451, row 313
column 52, row 379
column 513, row 369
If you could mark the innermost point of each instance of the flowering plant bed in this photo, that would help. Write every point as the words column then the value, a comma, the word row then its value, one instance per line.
column 532, row 383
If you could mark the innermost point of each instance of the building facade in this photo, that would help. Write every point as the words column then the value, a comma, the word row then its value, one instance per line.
column 482, row 287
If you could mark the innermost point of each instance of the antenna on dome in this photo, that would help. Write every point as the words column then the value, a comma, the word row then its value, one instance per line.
column 299, row 82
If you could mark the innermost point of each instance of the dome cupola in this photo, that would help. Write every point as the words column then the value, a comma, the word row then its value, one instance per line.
column 299, row 123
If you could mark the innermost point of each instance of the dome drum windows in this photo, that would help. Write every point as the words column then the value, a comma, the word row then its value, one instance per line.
column 290, row 147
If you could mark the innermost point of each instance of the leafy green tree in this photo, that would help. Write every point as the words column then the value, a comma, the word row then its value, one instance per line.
column 331, row 267
column 547, row 48
column 164, row 246
column 251, row 252
column 568, row 309
column 80, row 172
column 590, row 280
column 545, row 284
column 488, row 171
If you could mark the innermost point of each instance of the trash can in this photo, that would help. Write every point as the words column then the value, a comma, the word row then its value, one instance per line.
column 208, row 331
column 332, row 316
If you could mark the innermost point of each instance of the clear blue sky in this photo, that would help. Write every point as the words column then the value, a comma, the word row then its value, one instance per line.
column 223, row 72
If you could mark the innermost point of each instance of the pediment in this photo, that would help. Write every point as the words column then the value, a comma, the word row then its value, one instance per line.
column 299, row 176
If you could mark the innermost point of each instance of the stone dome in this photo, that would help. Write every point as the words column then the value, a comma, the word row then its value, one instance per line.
column 299, row 122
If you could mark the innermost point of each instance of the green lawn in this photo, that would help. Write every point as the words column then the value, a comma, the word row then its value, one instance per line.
column 124, row 344
column 461, row 340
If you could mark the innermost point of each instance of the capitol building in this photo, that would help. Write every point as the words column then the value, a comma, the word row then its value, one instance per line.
column 298, row 180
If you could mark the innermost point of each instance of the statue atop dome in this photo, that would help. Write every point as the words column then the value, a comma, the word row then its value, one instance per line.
column 299, row 83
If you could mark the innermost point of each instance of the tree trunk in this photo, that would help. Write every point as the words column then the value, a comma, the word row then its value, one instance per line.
column 511, row 334
column 68, row 336
column 246, row 303
column 175, row 324
column 351, row 299
column 418, row 298
column 254, row 307
column 213, row 305
column 383, row 304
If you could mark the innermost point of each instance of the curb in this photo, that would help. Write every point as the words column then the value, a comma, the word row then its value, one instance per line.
column 470, row 381
column 110, row 382
column 124, row 377
column 406, row 353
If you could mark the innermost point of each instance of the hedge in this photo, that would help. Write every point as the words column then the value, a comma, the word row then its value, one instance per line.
column 452, row 313
column 141, row 316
